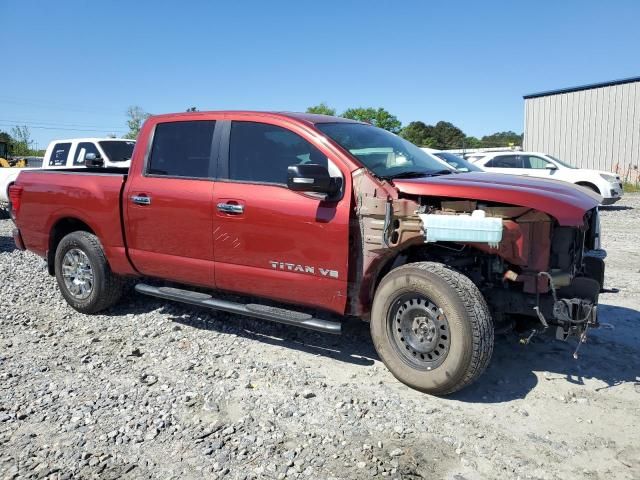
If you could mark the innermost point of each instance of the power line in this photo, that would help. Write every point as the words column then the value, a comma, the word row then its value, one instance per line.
column 55, row 124
column 68, row 129
column 59, row 106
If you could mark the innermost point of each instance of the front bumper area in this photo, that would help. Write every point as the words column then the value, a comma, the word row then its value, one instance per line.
column 610, row 200
column 615, row 193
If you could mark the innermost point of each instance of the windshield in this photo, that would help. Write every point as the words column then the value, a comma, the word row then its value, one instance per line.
column 457, row 162
column 564, row 164
column 118, row 150
column 382, row 152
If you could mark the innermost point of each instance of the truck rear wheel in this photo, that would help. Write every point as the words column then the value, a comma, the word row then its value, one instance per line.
column 432, row 327
column 83, row 273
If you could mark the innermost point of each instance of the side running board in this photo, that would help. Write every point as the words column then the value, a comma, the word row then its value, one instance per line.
column 264, row 312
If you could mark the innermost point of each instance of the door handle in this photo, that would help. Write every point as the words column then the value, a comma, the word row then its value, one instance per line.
column 141, row 199
column 230, row 208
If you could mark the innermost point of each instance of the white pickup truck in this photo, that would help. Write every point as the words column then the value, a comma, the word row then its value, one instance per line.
column 74, row 153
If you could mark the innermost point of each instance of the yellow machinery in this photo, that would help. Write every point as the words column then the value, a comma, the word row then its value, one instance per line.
column 6, row 162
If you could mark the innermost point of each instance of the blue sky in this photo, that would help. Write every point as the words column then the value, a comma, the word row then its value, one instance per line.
column 73, row 67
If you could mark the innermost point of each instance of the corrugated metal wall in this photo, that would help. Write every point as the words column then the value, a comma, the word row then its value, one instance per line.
column 596, row 128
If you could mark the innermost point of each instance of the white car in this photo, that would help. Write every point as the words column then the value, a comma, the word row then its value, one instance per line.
column 535, row 164
column 452, row 160
column 72, row 153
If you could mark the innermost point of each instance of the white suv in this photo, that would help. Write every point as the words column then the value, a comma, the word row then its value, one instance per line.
column 537, row 164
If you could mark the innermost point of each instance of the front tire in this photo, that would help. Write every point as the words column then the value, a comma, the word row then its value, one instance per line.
column 83, row 274
column 431, row 327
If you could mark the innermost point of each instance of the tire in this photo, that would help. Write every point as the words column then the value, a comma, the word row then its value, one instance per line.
column 104, row 289
column 405, row 299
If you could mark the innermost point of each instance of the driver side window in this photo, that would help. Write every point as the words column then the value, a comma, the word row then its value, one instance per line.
column 81, row 152
column 536, row 162
column 262, row 153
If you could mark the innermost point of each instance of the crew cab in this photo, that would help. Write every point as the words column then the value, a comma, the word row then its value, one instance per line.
column 537, row 164
column 74, row 153
column 314, row 220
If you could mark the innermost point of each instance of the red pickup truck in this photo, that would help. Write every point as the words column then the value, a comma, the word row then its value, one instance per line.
column 321, row 214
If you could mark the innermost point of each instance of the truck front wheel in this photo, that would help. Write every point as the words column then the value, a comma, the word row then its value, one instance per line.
column 432, row 327
column 83, row 274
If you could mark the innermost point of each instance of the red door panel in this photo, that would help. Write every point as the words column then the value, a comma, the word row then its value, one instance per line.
column 171, row 237
column 282, row 245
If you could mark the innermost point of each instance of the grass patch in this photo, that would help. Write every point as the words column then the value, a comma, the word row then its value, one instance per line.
column 630, row 187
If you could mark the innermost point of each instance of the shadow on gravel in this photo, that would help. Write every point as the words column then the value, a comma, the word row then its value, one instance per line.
column 615, row 208
column 353, row 346
column 609, row 356
column 6, row 244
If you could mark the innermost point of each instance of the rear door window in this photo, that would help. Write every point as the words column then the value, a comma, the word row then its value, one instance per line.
column 182, row 149
column 506, row 161
column 59, row 154
column 81, row 152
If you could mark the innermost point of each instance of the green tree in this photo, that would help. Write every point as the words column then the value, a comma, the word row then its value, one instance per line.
column 419, row 133
column 472, row 142
column 21, row 140
column 502, row 139
column 377, row 117
column 447, row 135
column 136, row 117
column 6, row 143
column 322, row 108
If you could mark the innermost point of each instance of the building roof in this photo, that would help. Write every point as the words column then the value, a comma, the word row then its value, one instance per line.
column 583, row 87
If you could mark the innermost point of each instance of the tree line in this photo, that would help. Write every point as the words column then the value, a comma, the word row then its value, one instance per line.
column 443, row 135
column 20, row 142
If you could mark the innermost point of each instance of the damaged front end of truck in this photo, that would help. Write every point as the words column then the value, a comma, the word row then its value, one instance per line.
column 532, row 247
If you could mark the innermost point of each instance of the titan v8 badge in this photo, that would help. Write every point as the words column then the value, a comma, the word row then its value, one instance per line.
column 296, row 267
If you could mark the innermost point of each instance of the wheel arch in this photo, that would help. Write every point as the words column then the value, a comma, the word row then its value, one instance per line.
column 412, row 253
column 62, row 227
column 590, row 185
column 9, row 185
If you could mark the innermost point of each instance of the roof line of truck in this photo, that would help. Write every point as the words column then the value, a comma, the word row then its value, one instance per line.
column 310, row 118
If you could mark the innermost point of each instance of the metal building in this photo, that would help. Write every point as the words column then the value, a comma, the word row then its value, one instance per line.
column 592, row 126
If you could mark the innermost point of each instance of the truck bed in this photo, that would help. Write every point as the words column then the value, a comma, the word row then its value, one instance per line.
column 52, row 199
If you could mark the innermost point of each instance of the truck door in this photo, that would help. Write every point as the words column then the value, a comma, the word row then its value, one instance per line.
column 169, row 207
column 268, row 240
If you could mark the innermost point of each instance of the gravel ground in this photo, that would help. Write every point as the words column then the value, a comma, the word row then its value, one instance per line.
column 157, row 390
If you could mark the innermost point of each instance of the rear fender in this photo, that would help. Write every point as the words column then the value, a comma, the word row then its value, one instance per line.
column 69, row 220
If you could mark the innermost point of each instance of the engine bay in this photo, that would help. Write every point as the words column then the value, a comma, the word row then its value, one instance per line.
column 534, row 268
